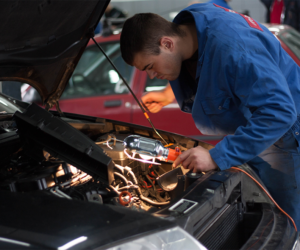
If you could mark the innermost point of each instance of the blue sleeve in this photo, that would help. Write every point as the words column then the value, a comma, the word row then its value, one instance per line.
column 260, row 86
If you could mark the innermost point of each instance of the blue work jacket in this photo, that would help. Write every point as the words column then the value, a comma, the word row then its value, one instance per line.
column 221, row 3
column 248, row 87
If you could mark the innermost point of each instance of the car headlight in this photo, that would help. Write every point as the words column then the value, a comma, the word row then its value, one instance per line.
column 297, row 244
column 170, row 239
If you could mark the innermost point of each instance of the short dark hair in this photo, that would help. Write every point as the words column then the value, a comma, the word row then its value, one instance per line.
column 142, row 33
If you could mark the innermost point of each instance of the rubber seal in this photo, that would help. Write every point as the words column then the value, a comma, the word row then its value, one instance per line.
column 124, row 203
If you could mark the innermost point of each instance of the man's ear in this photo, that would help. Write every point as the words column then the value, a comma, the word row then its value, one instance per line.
column 167, row 43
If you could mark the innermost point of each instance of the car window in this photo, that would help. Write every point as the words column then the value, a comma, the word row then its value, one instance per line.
column 291, row 38
column 94, row 75
column 155, row 84
column 11, row 88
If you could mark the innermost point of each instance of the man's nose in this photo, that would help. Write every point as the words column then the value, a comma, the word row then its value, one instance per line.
column 151, row 73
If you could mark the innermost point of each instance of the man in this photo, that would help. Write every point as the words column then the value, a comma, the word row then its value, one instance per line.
column 232, row 75
column 267, row 4
column 276, row 12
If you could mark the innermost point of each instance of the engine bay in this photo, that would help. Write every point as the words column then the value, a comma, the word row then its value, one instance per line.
column 139, row 179
column 134, row 184
column 89, row 159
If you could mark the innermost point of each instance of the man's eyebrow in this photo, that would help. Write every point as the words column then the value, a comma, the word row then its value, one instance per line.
column 146, row 67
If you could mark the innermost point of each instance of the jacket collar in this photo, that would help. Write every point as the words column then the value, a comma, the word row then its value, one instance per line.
column 193, row 13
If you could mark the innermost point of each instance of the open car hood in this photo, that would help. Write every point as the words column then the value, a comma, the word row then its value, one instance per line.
column 42, row 41
column 40, row 130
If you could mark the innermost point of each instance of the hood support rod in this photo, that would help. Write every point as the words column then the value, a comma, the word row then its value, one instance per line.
column 124, row 81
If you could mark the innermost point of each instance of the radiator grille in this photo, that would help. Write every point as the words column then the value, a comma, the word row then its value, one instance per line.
column 219, row 233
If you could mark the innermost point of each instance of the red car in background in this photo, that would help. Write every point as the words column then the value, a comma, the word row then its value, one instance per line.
column 95, row 88
column 289, row 39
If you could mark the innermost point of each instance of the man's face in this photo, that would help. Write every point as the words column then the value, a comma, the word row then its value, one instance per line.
column 166, row 65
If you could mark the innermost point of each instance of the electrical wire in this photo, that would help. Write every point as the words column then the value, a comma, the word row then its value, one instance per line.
column 235, row 168
column 106, row 141
column 142, row 197
column 122, row 177
column 154, row 188
column 125, row 82
column 128, row 187
column 260, row 234
column 120, row 168
column 114, row 189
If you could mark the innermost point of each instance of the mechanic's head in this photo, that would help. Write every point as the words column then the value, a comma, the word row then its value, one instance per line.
column 148, row 42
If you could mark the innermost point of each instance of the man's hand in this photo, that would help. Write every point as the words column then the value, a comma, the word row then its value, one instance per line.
column 155, row 101
column 198, row 159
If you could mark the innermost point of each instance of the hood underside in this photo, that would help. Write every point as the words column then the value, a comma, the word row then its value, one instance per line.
column 42, row 41
column 40, row 130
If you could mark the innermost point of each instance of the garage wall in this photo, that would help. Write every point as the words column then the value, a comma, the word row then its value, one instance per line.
column 164, row 7
column 256, row 9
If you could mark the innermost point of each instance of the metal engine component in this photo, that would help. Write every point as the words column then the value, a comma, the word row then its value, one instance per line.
column 93, row 196
column 169, row 181
column 145, row 146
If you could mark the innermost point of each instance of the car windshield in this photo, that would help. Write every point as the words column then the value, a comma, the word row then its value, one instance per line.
column 93, row 57
column 94, row 75
column 291, row 38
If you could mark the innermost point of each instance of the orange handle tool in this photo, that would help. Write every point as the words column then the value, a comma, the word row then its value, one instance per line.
column 173, row 154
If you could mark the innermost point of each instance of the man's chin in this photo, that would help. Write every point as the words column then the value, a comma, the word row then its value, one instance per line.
column 171, row 78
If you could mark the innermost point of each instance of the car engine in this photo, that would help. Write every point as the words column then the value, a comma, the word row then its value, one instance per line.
column 143, row 180
column 89, row 159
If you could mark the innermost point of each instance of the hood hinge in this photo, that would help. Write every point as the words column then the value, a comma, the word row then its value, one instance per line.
column 53, row 99
column 57, row 108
